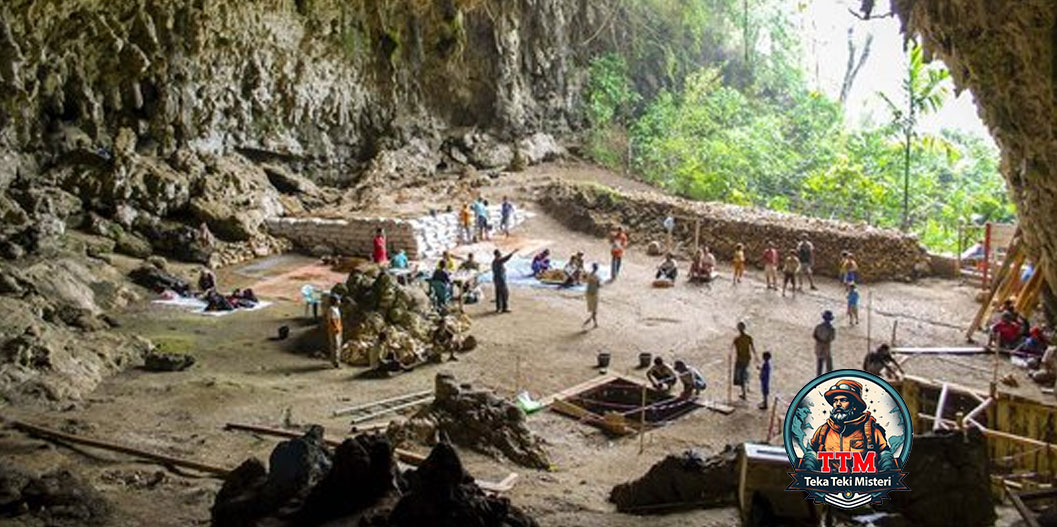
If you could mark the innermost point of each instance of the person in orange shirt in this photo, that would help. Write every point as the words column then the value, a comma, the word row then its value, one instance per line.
column 618, row 242
column 850, row 428
column 739, row 263
column 466, row 223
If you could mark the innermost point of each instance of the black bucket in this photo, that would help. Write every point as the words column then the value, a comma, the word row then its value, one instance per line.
column 284, row 331
column 603, row 359
column 645, row 358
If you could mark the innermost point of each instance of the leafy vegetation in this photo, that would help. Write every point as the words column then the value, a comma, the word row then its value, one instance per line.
column 712, row 105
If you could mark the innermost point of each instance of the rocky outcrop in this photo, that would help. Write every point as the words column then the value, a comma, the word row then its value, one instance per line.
column 679, row 482
column 882, row 254
column 1006, row 58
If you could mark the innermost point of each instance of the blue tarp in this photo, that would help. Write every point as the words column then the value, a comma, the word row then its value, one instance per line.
column 519, row 273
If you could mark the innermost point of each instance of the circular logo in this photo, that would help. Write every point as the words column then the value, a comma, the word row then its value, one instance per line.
column 848, row 436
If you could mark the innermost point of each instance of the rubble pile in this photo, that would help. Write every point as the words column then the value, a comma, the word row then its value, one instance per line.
column 357, row 484
column 954, row 467
column 57, row 498
column 373, row 303
column 474, row 419
column 678, row 481
column 882, row 254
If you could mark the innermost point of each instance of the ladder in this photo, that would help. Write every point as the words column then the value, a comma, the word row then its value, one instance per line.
column 375, row 409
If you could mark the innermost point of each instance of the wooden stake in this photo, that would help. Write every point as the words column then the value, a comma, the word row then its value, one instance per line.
column 730, row 378
column 642, row 423
column 869, row 321
column 46, row 433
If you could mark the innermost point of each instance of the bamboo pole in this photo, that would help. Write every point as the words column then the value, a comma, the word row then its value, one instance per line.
column 730, row 378
column 642, row 422
column 46, row 433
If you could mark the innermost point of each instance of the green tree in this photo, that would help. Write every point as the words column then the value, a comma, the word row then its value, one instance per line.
column 923, row 93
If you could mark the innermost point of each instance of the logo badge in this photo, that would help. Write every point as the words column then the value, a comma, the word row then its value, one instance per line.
column 848, row 435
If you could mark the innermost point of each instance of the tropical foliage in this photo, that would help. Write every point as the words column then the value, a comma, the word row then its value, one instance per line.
column 727, row 116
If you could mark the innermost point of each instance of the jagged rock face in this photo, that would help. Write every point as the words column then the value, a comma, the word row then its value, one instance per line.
column 1005, row 53
column 321, row 85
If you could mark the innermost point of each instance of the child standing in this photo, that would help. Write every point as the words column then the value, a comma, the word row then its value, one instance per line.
column 853, row 304
column 739, row 263
column 770, row 265
column 765, row 378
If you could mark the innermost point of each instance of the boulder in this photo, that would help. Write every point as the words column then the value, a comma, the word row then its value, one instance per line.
column 167, row 361
column 681, row 479
column 235, row 199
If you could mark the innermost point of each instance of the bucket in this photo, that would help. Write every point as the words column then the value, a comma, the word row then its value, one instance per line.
column 645, row 358
column 603, row 359
column 284, row 331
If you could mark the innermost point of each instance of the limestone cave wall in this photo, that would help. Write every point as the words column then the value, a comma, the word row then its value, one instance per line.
column 1006, row 54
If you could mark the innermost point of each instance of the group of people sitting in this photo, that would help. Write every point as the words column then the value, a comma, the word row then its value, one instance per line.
column 239, row 298
column 663, row 378
column 574, row 272
column 702, row 267
column 442, row 283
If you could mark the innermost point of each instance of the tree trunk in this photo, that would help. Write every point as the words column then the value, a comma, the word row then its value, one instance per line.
column 852, row 70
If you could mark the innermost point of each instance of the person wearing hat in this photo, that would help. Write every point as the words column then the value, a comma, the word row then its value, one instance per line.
column 850, row 428
column 824, row 335
column 661, row 375
column 332, row 326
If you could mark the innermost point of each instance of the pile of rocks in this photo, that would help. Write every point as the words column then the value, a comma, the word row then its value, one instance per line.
column 55, row 498
column 373, row 303
column 882, row 254
column 680, row 481
column 358, row 484
column 474, row 419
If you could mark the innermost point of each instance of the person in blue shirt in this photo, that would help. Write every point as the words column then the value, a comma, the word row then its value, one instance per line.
column 765, row 378
column 399, row 261
column 480, row 212
column 506, row 212
column 853, row 304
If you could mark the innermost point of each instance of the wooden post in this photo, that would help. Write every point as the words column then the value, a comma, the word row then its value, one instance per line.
column 895, row 326
column 642, row 422
column 869, row 320
column 987, row 255
column 730, row 378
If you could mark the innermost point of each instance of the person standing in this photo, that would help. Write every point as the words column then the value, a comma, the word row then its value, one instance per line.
column 789, row 271
column 770, row 265
column 618, row 242
column 739, row 263
column 853, row 304
column 466, row 223
column 502, row 292
column 506, row 215
column 765, row 379
column 852, row 274
column 480, row 214
column 824, row 335
column 744, row 353
column 380, row 254
column 669, row 228
column 806, row 255
column 332, row 326
column 593, row 285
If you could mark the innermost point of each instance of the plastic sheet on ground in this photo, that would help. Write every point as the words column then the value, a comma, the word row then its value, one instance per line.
column 519, row 274
column 198, row 306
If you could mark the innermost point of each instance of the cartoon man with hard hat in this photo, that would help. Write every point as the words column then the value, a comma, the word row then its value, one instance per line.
column 850, row 428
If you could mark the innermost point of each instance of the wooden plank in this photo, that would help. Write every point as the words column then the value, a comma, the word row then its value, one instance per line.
column 591, row 418
column 573, row 390
column 716, row 406
column 46, row 433
column 967, row 350
column 1029, row 516
column 504, row 485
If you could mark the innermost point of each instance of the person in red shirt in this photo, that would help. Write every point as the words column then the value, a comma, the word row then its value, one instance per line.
column 380, row 255
column 618, row 241
column 770, row 265
column 1006, row 332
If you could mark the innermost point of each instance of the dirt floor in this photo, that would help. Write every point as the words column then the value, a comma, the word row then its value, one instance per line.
column 244, row 376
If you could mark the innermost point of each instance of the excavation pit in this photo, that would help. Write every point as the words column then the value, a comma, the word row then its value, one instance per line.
column 617, row 406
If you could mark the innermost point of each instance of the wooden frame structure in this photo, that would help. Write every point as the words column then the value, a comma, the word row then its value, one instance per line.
column 1021, row 433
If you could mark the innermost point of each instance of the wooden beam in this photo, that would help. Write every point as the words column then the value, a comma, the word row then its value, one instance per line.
column 1014, row 248
column 573, row 390
column 938, row 423
column 1029, row 516
column 55, row 435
